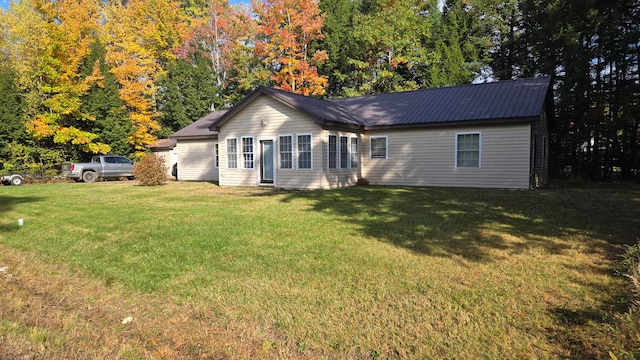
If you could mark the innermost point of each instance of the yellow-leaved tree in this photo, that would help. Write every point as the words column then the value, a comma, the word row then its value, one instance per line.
column 46, row 43
column 141, row 36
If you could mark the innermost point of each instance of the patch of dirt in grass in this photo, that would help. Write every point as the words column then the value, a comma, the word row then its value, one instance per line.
column 51, row 312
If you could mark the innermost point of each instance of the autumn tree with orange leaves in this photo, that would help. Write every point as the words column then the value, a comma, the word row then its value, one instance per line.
column 141, row 36
column 286, row 28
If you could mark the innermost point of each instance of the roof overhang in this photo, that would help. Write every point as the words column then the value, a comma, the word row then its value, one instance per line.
column 456, row 123
column 214, row 135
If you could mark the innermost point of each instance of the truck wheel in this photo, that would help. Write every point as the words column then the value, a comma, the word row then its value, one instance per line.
column 16, row 180
column 89, row 176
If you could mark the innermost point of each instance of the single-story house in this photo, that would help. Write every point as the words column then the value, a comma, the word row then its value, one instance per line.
column 492, row 135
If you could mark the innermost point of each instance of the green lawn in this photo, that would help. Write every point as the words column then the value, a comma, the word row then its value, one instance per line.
column 364, row 272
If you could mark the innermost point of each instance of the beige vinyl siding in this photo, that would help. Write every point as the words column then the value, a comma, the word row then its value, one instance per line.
column 279, row 119
column 540, row 152
column 426, row 157
column 196, row 160
column 340, row 177
column 166, row 156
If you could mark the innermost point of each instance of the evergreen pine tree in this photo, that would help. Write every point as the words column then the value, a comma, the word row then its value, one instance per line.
column 339, row 43
column 102, row 101
column 12, row 129
column 187, row 93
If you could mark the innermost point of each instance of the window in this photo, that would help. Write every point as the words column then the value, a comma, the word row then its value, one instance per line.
column 333, row 151
column 378, row 147
column 247, row 152
column 304, row 152
column 344, row 152
column 232, row 153
column 286, row 152
column 354, row 152
column 468, row 150
column 216, row 154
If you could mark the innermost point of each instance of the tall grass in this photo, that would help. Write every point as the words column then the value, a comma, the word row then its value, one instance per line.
column 369, row 272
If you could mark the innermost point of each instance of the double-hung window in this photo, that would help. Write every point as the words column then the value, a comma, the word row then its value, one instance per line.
column 232, row 153
column 247, row 152
column 286, row 152
column 468, row 150
column 216, row 154
column 304, row 152
column 344, row 152
column 332, row 152
column 378, row 147
column 354, row 152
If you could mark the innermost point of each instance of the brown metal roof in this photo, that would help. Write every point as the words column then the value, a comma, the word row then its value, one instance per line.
column 510, row 100
column 163, row 144
column 200, row 128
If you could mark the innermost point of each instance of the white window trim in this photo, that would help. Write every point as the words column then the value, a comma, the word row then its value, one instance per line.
column 216, row 155
column 348, row 158
column 253, row 152
column 351, row 153
column 386, row 150
column 257, row 148
column 298, row 151
column 293, row 157
column 479, row 133
column 226, row 145
column 337, row 156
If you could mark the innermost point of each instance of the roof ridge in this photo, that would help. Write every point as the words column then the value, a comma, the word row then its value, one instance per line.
column 441, row 88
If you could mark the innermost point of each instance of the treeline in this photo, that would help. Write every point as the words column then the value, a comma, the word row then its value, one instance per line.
column 83, row 77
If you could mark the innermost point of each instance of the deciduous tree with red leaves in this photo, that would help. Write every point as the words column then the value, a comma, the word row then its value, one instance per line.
column 285, row 30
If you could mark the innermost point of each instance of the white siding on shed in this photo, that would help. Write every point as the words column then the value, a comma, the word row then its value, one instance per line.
column 426, row 157
column 168, row 157
column 196, row 160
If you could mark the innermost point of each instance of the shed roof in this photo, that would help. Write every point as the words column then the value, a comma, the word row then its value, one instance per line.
column 199, row 128
column 163, row 144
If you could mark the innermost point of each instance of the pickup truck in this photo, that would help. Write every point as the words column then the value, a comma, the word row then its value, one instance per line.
column 104, row 166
